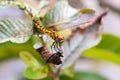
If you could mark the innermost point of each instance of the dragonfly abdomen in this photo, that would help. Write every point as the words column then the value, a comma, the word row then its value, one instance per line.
column 51, row 33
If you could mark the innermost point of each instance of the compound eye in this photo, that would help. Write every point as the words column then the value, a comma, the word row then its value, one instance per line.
column 61, row 38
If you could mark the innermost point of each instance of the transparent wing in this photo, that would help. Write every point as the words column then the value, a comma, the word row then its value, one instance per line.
column 83, row 16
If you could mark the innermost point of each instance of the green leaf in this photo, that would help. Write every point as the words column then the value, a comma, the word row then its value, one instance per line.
column 106, row 49
column 28, row 59
column 15, row 30
column 47, row 78
column 65, row 16
column 36, row 72
column 11, row 50
column 64, row 77
column 61, row 10
column 84, row 76
column 69, row 71
column 102, row 54
column 88, row 76
column 113, row 44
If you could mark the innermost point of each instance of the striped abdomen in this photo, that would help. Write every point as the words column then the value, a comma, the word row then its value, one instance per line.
column 51, row 33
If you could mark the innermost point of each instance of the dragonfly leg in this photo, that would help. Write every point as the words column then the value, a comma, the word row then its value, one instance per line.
column 59, row 47
column 52, row 46
column 55, row 46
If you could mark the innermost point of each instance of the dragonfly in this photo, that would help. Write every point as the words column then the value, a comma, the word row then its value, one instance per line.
column 72, row 21
column 58, row 39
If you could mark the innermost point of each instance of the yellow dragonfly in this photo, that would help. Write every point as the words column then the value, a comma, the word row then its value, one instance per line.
column 58, row 39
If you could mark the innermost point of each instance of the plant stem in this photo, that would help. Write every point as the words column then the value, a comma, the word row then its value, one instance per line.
column 42, row 41
column 55, row 76
column 53, row 72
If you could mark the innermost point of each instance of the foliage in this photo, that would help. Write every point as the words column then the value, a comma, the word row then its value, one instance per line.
column 61, row 16
column 15, row 30
column 105, row 50
column 34, row 70
column 84, row 76
column 107, row 44
column 107, row 55
column 11, row 50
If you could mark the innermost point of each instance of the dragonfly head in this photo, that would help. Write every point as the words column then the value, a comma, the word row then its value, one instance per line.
column 60, row 39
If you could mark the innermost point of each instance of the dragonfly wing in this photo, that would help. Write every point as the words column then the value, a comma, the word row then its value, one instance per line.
column 80, row 18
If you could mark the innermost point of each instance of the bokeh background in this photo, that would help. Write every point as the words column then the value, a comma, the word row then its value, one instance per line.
column 12, row 67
